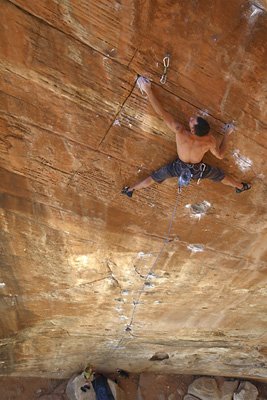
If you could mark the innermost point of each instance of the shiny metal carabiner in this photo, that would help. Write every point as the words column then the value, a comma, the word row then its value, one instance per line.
column 166, row 64
column 163, row 79
column 166, row 61
column 202, row 170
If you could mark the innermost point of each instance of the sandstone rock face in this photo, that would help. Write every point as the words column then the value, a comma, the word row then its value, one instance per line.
column 208, row 389
column 205, row 389
column 246, row 391
column 76, row 282
column 74, row 391
column 190, row 397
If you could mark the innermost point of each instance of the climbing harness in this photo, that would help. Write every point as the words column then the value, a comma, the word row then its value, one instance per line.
column 202, row 170
column 196, row 168
column 166, row 64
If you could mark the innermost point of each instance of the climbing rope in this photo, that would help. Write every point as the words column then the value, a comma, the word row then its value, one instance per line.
column 166, row 64
column 166, row 240
column 181, row 182
column 136, row 302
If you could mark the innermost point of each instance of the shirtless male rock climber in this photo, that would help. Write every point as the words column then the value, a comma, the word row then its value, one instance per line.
column 191, row 146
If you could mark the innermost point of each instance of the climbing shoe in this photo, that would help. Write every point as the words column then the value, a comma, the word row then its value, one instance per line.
column 126, row 191
column 246, row 186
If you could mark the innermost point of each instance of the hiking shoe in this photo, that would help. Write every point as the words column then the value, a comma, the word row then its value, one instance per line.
column 246, row 186
column 126, row 191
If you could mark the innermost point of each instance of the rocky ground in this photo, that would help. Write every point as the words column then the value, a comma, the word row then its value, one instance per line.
column 142, row 387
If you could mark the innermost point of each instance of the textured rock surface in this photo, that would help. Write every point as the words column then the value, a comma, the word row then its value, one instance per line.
column 74, row 129
column 246, row 391
column 74, row 391
column 209, row 389
column 205, row 389
column 166, row 387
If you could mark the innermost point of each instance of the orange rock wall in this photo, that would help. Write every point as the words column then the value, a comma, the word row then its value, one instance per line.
column 75, row 253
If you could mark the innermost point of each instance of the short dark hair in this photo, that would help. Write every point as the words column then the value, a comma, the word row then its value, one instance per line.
column 202, row 127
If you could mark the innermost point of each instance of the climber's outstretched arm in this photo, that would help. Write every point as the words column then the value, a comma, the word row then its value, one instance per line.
column 170, row 121
column 219, row 150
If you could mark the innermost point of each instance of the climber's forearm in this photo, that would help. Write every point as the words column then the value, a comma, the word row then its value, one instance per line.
column 167, row 117
column 223, row 145
column 156, row 104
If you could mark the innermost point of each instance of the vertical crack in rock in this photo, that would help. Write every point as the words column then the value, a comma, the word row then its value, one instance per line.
column 116, row 120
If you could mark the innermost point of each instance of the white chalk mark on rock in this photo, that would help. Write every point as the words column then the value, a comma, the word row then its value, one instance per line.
column 204, row 113
column 198, row 210
column 123, row 317
column 244, row 163
column 141, row 254
column 2, row 285
column 116, row 122
column 195, row 248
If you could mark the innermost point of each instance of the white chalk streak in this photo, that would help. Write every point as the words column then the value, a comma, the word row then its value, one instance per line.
column 195, row 248
column 141, row 254
column 244, row 163
column 116, row 122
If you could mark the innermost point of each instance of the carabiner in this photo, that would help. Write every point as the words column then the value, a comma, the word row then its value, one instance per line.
column 202, row 170
column 166, row 61
column 163, row 79
column 166, row 64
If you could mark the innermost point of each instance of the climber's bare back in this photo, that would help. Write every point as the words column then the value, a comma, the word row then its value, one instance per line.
column 191, row 148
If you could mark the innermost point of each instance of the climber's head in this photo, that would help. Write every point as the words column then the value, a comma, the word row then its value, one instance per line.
column 199, row 126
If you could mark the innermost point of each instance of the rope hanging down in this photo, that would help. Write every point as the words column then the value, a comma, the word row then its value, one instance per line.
column 166, row 240
column 182, row 181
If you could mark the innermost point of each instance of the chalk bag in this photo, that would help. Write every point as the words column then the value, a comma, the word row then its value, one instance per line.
column 184, row 178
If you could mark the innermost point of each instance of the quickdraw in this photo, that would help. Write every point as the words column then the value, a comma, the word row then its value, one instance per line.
column 202, row 170
column 166, row 64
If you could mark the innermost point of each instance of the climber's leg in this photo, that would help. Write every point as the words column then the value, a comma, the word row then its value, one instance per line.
column 143, row 184
column 140, row 185
column 230, row 181
column 157, row 176
column 239, row 186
